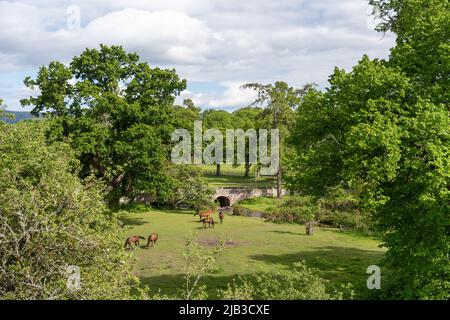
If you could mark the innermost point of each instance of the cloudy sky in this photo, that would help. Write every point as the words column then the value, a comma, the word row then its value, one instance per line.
column 217, row 45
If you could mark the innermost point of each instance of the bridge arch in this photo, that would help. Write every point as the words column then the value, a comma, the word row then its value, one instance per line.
column 223, row 201
column 228, row 196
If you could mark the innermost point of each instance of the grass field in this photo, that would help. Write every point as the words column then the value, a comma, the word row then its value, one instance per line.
column 233, row 176
column 254, row 246
column 237, row 181
column 226, row 169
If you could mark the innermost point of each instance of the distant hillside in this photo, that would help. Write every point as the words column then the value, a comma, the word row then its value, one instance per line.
column 19, row 116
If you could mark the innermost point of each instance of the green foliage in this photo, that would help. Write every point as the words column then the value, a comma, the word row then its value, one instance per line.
column 279, row 101
column 297, row 209
column 382, row 131
column 422, row 48
column 50, row 220
column 190, row 188
column 117, row 115
column 198, row 263
column 4, row 115
column 300, row 283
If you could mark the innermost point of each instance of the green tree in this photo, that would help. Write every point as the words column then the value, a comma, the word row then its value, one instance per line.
column 186, row 115
column 422, row 48
column 50, row 220
column 247, row 118
column 371, row 132
column 3, row 114
column 217, row 119
column 117, row 114
column 279, row 101
column 191, row 188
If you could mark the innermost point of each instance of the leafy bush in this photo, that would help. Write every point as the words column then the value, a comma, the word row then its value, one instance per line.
column 300, row 283
column 198, row 263
column 49, row 221
column 298, row 209
column 135, row 207
column 341, row 208
column 239, row 210
column 285, row 215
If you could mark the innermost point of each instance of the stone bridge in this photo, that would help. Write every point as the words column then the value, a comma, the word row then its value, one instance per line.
column 227, row 196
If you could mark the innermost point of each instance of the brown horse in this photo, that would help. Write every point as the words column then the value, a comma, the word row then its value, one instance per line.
column 153, row 237
column 205, row 214
column 132, row 240
column 221, row 215
column 208, row 221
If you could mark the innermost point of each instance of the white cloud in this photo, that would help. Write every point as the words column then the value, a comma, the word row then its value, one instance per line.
column 226, row 42
column 233, row 96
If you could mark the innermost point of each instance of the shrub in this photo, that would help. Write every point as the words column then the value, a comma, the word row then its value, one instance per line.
column 198, row 263
column 49, row 221
column 299, row 209
column 301, row 283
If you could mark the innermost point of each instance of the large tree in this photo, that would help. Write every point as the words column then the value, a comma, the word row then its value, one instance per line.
column 382, row 130
column 279, row 101
column 247, row 118
column 422, row 46
column 52, row 223
column 220, row 120
column 116, row 112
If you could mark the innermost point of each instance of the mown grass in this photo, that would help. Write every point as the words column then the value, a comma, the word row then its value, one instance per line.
column 237, row 181
column 226, row 170
column 233, row 176
column 254, row 246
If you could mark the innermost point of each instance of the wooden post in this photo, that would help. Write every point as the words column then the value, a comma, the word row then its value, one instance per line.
column 309, row 228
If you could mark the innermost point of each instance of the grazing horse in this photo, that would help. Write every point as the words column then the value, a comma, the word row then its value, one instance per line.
column 208, row 221
column 221, row 215
column 133, row 239
column 152, row 239
column 205, row 214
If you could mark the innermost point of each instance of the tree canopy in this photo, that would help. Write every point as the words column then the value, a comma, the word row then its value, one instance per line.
column 382, row 132
column 116, row 112
column 50, row 220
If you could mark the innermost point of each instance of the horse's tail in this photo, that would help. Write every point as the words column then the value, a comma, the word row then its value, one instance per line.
column 141, row 237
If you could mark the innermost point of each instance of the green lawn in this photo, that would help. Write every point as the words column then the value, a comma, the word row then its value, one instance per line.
column 226, row 169
column 237, row 181
column 233, row 176
column 255, row 246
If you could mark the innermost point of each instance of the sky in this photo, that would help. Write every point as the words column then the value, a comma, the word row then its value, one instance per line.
column 217, row 45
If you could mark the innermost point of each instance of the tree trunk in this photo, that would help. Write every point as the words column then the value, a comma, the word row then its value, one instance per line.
column 279, row 191
column 114, row 202
column 309, row 228
column 247, row 168
column 218, row 169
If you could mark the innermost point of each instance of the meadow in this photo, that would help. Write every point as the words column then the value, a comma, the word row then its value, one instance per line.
column 253, row 246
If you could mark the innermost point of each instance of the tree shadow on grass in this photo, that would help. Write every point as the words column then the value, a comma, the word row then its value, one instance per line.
column 172, row 284
column 127, row 221
column 336, row 263
column 341, row 265
column 289, row 232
